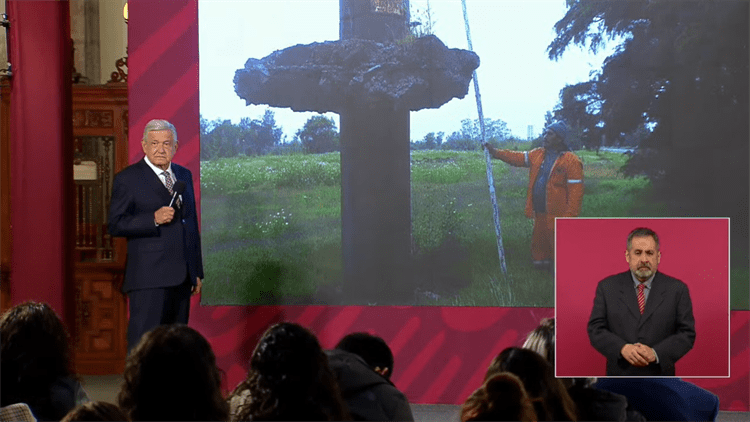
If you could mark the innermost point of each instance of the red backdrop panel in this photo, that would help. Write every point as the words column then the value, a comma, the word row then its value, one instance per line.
column 695, row 251
column 441, row 353
column 41, row 153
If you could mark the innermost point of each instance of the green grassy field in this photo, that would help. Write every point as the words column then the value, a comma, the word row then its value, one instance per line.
column 271, row 228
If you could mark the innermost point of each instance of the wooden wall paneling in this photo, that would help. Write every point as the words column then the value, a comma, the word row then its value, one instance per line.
column 100, row 345
column 100, row 115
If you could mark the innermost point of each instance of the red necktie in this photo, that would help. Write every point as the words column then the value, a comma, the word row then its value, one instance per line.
column 641, row 297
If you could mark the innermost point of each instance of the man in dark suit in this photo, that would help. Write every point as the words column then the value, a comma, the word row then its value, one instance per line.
column 164, row 263
column 642, row 320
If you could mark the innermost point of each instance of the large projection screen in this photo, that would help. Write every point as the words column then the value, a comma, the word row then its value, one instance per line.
column 271, row 178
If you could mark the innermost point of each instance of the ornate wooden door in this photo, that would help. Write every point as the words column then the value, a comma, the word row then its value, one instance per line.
column 100, row 125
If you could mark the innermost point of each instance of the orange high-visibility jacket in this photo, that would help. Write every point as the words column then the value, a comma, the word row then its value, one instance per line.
column 565, row 184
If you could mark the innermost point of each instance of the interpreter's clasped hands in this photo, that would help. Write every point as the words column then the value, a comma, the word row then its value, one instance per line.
column 638, row 354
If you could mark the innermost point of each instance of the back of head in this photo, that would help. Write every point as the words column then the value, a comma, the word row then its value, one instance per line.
column 501, row 398
column 172, row 375
column 95, row 411
column 34, row 354
column 539, row 380
column 373, row 349
column 542, row 340
column 289, row 378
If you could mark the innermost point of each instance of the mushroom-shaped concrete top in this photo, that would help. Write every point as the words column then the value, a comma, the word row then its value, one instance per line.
column 335, row 75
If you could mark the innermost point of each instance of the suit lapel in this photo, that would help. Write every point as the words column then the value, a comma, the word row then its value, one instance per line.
column 179, row 174
column 151, row 180
column 655, row 298
column 628, row 296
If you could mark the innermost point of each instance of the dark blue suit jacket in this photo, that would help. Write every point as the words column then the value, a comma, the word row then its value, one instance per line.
column 665, row 399
column 158, row 256
column 667, row 324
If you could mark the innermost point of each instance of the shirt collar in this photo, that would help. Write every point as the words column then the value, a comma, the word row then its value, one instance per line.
column 157, row 170
column 648, row 282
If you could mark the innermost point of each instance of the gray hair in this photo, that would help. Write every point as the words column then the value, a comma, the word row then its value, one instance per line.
column 158, row 124
column 542, row 339
column 642, row 232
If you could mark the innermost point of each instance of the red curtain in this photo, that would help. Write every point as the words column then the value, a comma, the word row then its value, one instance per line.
column 41, row 152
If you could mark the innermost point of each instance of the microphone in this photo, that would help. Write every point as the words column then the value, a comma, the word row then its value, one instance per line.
column 177, row 189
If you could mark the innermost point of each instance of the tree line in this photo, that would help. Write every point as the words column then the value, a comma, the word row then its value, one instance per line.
column 221, row 138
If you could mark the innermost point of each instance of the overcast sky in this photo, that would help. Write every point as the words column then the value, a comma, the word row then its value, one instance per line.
column 518, row 83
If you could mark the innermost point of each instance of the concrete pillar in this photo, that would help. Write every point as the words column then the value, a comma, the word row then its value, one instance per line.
column 376, row 205
column 375, row 174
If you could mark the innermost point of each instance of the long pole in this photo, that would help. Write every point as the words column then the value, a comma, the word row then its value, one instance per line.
column 488, row 159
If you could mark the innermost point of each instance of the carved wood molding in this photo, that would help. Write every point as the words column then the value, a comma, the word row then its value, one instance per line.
column 93, row 118
column 100, row 312
column 121, row 74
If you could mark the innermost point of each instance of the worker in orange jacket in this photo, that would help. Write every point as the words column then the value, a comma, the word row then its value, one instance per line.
column 555, row 187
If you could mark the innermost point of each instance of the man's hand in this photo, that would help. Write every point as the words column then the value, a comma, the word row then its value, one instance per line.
column 164, row 215
column 646, row 352
column 196, row 290
column 631, row 354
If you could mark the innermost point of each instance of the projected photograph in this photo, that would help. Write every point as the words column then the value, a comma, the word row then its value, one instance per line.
column 342, row 158
column 685, row 314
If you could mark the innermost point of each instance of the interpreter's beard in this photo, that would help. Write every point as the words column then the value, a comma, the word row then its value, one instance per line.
column 644, row 273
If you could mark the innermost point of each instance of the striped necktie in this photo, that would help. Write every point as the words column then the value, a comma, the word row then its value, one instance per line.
column 169, row 183
column 641, row 297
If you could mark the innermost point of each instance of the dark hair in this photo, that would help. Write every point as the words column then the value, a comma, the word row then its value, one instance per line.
column 542, row 340
column 501, row 398
column 95, row 411
column 34, row 353
column 289, row 379
column 642, row 232
column 171, row 374
column 373, row 349
column 539, row 380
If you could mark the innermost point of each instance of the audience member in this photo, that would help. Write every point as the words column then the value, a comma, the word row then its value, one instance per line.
column 653, row 399
column 542, row 340
column 592, row 404
column 171, row 374
column 501, row 398
column 363, row 365
column 18, row 412
column 35, row 363
column 551, row 401
column 95, row 411
column 374, row 350
column 288, row 379
column 665, row 399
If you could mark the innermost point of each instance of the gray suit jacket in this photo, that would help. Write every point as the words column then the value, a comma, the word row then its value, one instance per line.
column 667, row 324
